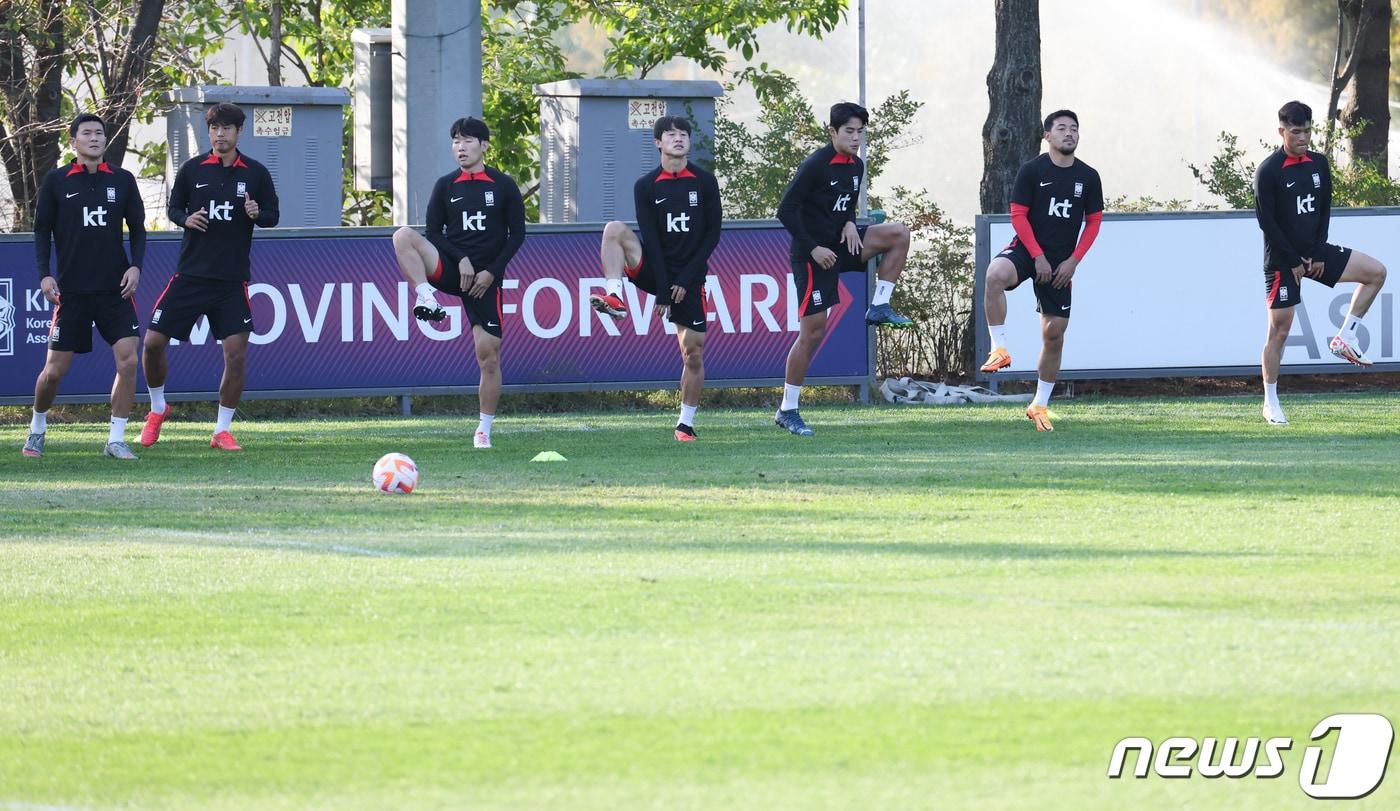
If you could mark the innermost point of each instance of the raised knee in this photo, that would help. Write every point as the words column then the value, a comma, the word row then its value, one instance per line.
column 404, row 236
column 901, row 233
column 613, row 231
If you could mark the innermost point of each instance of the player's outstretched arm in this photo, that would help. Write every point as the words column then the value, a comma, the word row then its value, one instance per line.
column 515, row 227
column 790, row 209
column 268, row 213
column 45, row 214
column 650, row 229
column 1265, row 201
column 136, row 222
column 714, row 223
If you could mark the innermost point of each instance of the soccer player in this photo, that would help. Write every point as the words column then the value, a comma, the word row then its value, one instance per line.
column 819, row 211
column 1293, row 203
column 1053, row 196
column 81, row 207
column 476, row 223
column 217, row 198
column 669, row 262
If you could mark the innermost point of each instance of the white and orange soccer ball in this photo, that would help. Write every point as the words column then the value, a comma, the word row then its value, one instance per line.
column 395, row 473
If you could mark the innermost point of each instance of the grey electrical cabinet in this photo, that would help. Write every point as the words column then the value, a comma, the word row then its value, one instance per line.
column 295, row 131
column 373, row 143
column 596, row 140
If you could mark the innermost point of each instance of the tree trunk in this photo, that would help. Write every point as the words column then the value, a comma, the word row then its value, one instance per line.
column 1368, row 90
column 123, row 88
column 274, row 48
column 34, row 98
column 1012, row 133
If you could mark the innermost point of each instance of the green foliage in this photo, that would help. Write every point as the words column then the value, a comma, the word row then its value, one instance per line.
column 1126, row 205
column 935, row 290
column 520, row 50
column 1229, row 174
column 757, row 164
column 644, row 34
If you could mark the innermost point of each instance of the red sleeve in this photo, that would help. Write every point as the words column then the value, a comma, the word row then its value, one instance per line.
column 1021, row 224
column 1091, row 232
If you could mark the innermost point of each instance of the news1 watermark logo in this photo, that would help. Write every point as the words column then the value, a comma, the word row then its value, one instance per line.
column 1360, row 752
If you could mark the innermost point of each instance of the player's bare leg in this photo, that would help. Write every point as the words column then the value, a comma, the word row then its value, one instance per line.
column 153, row 364
column 1052, row 347
column 417, row 257
column 620, row 249
column 1369, row 274
column 890, row 242
column 124, row 384
column 488, row 359
column 810, row 332
column 692, row 346
column 123, row 395
column 1280, row 323
column 231, row 390
column 56, row 365
column 1001, row 276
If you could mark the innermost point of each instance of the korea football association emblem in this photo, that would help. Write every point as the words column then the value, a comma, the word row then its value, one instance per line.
column 1079, row 190
column 694, row 199
column 490, row 198
column 1317, row 180
column 111, row 194
column 242, row 189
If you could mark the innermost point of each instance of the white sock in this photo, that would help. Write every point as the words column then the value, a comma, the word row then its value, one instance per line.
column 688, row 414
column 615, row 287
column 1271, row 394
column 485, row 425
column 998, row 335
column 1349, row 326
column 424, row 290
column 790, row 395
column 157, row 399
column 225, row 419
column 1042, row 393
column 883, row 291
column 117, row 433
column 39, row 423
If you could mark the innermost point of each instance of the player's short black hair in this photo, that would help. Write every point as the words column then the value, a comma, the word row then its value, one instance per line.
column 83, row 119
column 666, row 123
column 471, row 128
column 844, row 111
column 1295, row 113
column 1050, row 119
column 229, row 115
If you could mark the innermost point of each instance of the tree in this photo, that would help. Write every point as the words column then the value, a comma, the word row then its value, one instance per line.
column 1364, row 73
column 112, row 57
column 644, row 34
column 1012, row 133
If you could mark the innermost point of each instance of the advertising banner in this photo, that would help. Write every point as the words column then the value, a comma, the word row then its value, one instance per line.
column 1183, row 294
column 331, row 316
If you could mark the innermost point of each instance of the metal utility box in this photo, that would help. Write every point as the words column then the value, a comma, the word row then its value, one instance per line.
column 373, row 143
column 596, row 140
column 295, row 131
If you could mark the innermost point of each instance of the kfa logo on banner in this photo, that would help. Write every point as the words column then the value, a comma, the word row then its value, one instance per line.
column 7, row 317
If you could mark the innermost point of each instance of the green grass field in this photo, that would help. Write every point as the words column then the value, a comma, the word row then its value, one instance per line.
column 920, row 608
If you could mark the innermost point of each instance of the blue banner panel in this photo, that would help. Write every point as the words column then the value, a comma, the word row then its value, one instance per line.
column 331, row 314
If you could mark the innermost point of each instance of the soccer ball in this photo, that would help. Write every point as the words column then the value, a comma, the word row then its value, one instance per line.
column 395, row 473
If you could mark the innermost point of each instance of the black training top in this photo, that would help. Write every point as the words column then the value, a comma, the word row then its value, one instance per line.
column 82, row 212
column 221, row 251
column 1056, row 201
column 479, row 215
column 679, row 216
column 1293, row 203
column 821, row 199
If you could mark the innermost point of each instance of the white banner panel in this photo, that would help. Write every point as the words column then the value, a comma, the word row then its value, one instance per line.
column 1184, row 293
